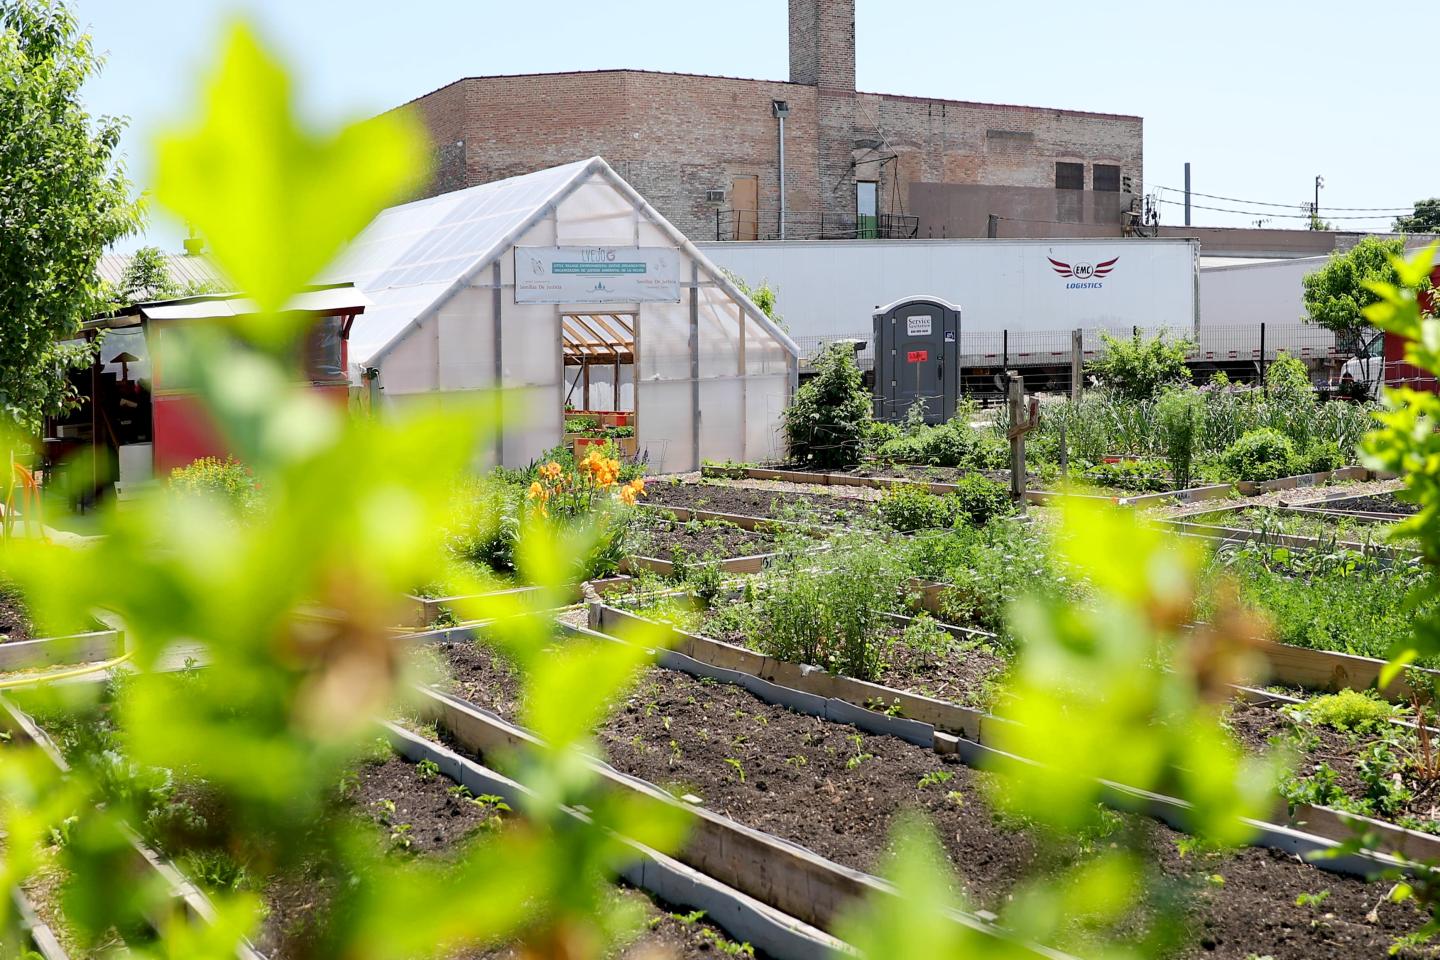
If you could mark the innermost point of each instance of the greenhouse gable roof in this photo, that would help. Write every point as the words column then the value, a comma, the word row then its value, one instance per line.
column 412, row 257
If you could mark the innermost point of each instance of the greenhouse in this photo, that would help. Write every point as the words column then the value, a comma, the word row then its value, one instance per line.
column 567, row 289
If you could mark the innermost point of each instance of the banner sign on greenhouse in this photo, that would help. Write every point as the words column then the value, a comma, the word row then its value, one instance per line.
column 597, row 275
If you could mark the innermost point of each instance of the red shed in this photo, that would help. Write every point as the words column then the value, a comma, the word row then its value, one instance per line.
column 137, row 426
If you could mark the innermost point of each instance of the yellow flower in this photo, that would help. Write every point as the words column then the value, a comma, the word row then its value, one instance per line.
column 551, row 470
column 639, row 484
column 627, row 495
column 536, row 491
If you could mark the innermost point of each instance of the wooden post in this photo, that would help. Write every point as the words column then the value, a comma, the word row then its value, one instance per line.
column 1077, row 355
column 585, row 372
column 1064, row 454
column 1017, row 439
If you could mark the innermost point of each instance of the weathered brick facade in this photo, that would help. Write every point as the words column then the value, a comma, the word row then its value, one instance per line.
column 678, row 138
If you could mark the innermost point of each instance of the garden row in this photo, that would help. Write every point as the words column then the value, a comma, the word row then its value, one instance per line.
column 804, row 768
column 409, row 798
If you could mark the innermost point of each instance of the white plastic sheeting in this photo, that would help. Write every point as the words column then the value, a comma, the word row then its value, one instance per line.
column 712, row 373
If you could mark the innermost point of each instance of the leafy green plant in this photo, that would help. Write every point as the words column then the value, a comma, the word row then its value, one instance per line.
column 1139, row 368
column 830, row 610
column 1140, row 476
column 825, row 424
column 1260, row 455
column 1178, row 415
column 227, row 480
column 1351, row 711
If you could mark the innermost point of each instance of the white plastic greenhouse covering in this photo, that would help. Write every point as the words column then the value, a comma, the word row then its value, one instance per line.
column 712, row 373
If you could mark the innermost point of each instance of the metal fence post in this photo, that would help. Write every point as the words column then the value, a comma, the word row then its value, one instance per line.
column 1262, row 357
column 1077, row 352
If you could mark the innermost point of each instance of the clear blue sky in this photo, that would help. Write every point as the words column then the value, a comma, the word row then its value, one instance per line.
column 1259, row 97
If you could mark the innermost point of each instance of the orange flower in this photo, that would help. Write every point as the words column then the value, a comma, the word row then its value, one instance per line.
column 536, row 491
column 551, row 470
column 639, row 484
column 627, row 495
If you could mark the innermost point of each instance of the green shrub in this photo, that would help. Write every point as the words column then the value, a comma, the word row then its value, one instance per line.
column 486, row 525
column 1287, row 381
column 1138, row 476
column 1178, row 417
column 1323, row 456
column 1138, row 368
column 227, row 481
column 830, row 610
column 981, row 499
column 1260, row 455
column 910, row 507
column 827, row 422
column 951, row 444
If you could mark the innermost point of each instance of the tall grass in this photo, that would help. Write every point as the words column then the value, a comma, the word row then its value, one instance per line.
column 1101, row 425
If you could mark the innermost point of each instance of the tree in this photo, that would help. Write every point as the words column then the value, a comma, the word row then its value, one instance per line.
column 1336, row 295
column 763, row 296
column 63, row 199
column 1139, row 369
column 1425, row 219
column 146, row 277
column 826, row 423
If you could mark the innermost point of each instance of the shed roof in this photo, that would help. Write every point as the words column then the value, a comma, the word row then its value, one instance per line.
column 413, row 256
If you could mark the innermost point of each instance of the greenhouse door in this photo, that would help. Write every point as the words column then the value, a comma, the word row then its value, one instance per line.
column 599, row 358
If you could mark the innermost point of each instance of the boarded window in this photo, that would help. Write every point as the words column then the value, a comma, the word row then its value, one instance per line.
column 1069, row 176
column 1106, row 177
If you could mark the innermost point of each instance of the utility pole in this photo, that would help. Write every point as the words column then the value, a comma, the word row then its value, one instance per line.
column 1187, row 193
column 1315, row 209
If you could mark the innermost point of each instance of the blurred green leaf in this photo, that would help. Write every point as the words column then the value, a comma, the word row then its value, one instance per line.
column 276, row 202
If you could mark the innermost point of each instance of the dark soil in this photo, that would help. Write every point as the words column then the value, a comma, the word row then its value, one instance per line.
column 438, row 822
column 14, row 620
column 836, row 791
column 1260, row 728
column 698, row 541
column 905, row 471
column 1375, row 503
column 964, row 672
column 817, row 508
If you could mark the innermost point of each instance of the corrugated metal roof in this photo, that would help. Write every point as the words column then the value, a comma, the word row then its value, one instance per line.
column 330, row 300
column 183, row 270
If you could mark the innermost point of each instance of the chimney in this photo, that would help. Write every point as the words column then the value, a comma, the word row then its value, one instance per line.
column 822, row 43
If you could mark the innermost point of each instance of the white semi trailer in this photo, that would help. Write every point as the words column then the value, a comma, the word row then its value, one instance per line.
column 1020, row 300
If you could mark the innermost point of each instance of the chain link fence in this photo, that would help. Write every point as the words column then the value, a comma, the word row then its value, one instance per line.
column 1046, row 357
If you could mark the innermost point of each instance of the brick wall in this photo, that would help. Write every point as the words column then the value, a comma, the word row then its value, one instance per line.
column 672, row 136
column 675, row 136
column 946, row 141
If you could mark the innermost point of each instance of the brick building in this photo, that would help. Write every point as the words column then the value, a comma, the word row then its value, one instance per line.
column 706, row 150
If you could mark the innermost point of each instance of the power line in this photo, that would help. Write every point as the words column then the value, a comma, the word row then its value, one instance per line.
column 1290, row 216
column 1291, row 206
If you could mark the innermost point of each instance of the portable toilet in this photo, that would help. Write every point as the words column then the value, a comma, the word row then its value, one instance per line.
column 917, row 358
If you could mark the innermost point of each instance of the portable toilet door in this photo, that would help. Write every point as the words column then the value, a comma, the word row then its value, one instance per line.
column 917, row 358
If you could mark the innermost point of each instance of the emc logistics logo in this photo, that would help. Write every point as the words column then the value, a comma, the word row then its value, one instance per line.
column 1084, row 276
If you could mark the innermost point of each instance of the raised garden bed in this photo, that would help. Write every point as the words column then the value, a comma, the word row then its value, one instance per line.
column 20, row 649
column 1267, row 525
column 834, row 790
column 661, row 546
column 1251, row 488
column 431, row 815
column 1321, row 526
column 421, row 611
column 1379, row 505
column 807, row 509
column 142, row 860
